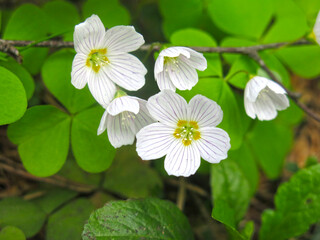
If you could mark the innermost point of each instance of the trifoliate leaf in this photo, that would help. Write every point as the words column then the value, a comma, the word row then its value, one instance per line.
column 297, row 206
column 67, row 223
column 23, row 75
column 42, row 136
column 11, row 233
column 22, row 214
column 62, row 17
column 149, row 218
column 28, row 22
column 93, row 153
column 111, row 12
column 250, row 22
column 13, row 102
column 56, row 74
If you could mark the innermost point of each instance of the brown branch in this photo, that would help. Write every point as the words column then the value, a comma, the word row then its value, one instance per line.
column 191, row 187
column 10, row 50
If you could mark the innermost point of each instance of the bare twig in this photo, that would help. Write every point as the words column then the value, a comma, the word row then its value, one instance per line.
column 191, row 187
column 181, row 199
column 10, row 50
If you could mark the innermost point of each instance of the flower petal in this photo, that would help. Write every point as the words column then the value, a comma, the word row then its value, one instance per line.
column 79, row 71
column 143, row 118
column 119, row 130
column 154, row 140
column 164, row 82
column 103, row 123
column 249, row 107
column 280, row 101
column 122, row 39
column 196, row 60
column 254, row 87
column 101, row 87
column 121, row 104
column 174, row 52
column 167, row 107
column 182, row 75
column 204, row 111
column 88, row 34
column 182, row 160
column 126, row 71
column 158, row 66
column 316, row 28
column 213, row 144
column 275, row 87
column 264, row 108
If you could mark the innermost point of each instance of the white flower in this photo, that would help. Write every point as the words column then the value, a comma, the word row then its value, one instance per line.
column 184, row 133
column 263, row 97
column 102, row 59
column 123, row 118
column 316, row 29
column 176, row 67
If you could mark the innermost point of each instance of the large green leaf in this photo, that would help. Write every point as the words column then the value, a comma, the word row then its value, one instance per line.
column 13, row 102
column 194, row 37
column 130, row 177
column 22, row 214
column 93, row 153
column 111, row 12
column 247, row 18
column 67, row 223
column 56, row 74
column 24, row 76
column 28, row 22
column 310, row 8
column 298, row 59
column 62, row 17
column 149, row 218
column 230, row 192
column 189, row 14
column 270, row 143
column 11, row 233
column 218, row 90
column 53, row 198
column 42, row 136
column 297, row 206
column 290, row 23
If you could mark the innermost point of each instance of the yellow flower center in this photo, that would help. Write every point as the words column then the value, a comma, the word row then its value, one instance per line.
column 173, row 61
column 187, row 131
column 97, row 58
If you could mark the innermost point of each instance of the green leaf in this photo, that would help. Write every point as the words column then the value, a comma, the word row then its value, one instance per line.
column 245, row 161
column 130, row 177
column 310, row 8
column 298, row 59
column 72, row 171
column 24, row 76
column 240, row 71
column 250, row 22
column 13, row 102
column 297, row 206
column 218, row 90
column 56, row 74
column 149, row 218
column 293, row 115
column 230, row 192
column 42, row 136
column 62, row 16
column 53, row 198
column 194, row 37
column 21, row 214
column 290, row 23
column 28, row 22
column 67, row 223
column 189, row 14
column 266, row 136
column 12, row 233
column 93, row 153
column 111, row 12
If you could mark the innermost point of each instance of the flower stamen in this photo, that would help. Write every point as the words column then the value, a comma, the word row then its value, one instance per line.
column 187, row 131
column 97, row 58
